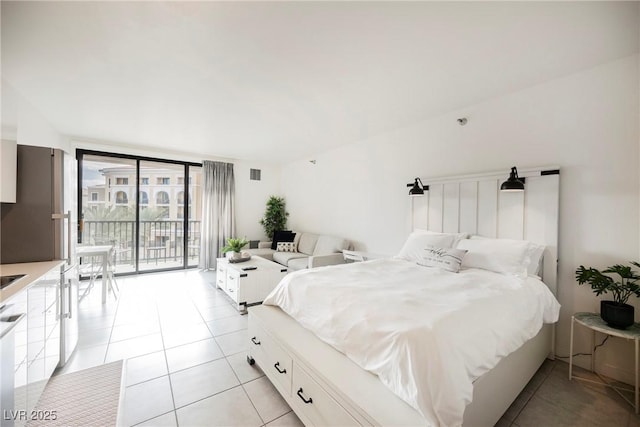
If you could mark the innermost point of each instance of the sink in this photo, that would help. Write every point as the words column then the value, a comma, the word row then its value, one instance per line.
column 8, row 280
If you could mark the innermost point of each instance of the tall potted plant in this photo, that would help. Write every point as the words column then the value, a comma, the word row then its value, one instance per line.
column 275, row 216
column 617, row 313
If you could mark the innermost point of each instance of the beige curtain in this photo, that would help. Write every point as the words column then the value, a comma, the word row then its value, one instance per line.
column 218, row 214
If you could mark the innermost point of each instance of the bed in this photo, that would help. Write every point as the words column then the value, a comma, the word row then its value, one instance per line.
column 335, row 342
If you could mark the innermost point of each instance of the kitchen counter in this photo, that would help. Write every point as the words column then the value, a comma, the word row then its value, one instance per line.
column 32, row 270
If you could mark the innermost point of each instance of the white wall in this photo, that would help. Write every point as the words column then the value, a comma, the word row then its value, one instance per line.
column 23, row 123
column 586, row 123
column 251, row 197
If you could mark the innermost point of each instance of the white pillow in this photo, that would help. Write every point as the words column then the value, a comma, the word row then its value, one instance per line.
column 457, row 236
column 448, row 259
column 536, row 252
column 500, row 255
column 417, row 241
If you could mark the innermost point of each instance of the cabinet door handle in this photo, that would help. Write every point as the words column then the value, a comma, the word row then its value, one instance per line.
column 70, row 314
column 277, row 366
column 309, row 400
column 253, row 340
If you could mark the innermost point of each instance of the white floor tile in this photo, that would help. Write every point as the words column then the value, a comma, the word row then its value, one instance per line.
column 212, row 301
column 231, row 408
column 134, row 317
column 83, row 358
column 266, row 399
column 134, row 347
column 288, row 420
column 144, row 368
column 202, row 381
column 243, row 370
column 232, row 343
column 147, row 400
column 166, row 420
column 134, row 330
column 189, row 355
column 95, row 323
column 184, row 334
column 93, row 337
column 218, row 312
column 227, row 324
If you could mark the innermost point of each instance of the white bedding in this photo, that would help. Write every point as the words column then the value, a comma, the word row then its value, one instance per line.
column 427, row 333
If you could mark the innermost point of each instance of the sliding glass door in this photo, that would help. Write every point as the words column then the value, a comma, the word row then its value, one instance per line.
column 147, row 209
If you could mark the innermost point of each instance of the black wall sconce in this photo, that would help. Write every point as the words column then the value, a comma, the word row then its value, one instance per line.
column 513, row 183
column 417, row 189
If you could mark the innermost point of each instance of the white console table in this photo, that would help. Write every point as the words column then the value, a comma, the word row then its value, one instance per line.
column 248, row 283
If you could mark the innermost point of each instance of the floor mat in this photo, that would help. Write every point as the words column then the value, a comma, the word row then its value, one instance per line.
column 84, row 398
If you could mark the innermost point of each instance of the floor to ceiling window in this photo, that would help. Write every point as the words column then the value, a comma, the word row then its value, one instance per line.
column 147, row 209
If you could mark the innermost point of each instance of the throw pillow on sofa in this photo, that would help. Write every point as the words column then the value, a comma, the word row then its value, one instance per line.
column 286, row 247
column 282, row 236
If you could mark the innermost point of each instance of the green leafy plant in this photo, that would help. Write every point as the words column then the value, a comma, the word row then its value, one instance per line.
column 234, row 245
column 275, row 216
column 601, row 283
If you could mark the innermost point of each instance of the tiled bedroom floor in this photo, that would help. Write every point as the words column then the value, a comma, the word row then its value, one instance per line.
column 186, row 345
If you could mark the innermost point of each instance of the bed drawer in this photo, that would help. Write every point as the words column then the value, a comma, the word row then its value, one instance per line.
column 272, row 359
column 312, row 400
column 278, row 364
column 256, row 337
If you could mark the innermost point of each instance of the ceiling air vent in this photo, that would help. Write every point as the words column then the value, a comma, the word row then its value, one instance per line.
column 254, row 174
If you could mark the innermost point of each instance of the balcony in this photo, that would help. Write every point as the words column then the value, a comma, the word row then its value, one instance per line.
column 161, row 243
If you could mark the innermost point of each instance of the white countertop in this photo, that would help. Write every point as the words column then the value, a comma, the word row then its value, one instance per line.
column 32, row 270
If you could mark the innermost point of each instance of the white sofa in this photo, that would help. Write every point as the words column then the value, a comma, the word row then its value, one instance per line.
column 313, row 251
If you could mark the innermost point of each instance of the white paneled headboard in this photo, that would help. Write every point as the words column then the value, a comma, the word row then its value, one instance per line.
column 475, row 204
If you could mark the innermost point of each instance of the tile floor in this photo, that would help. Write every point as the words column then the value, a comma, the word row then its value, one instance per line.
column 185, row 349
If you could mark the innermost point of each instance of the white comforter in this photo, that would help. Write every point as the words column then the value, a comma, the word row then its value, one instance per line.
column 427, row 333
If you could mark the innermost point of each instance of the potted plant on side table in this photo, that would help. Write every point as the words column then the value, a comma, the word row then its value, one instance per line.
column 617, row 313
column 233, row 248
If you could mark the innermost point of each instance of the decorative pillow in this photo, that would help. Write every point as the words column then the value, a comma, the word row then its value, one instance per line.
column 417, row 241
column 448, row 259
column 500, row 255
column 286, row 247
column 282, row 236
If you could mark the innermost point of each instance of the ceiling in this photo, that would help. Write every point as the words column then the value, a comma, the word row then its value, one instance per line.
column 278, row 81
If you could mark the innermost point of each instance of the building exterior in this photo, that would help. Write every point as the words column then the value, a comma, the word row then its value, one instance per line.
column 160, row 188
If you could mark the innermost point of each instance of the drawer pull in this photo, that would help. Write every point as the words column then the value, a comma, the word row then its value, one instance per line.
column 253, row 340
column 277, row 366
column 310, row 400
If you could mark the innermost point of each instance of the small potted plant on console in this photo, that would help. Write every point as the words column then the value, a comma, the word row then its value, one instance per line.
column 617, row 313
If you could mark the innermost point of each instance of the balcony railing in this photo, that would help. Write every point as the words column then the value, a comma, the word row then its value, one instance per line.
column 161, row 242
